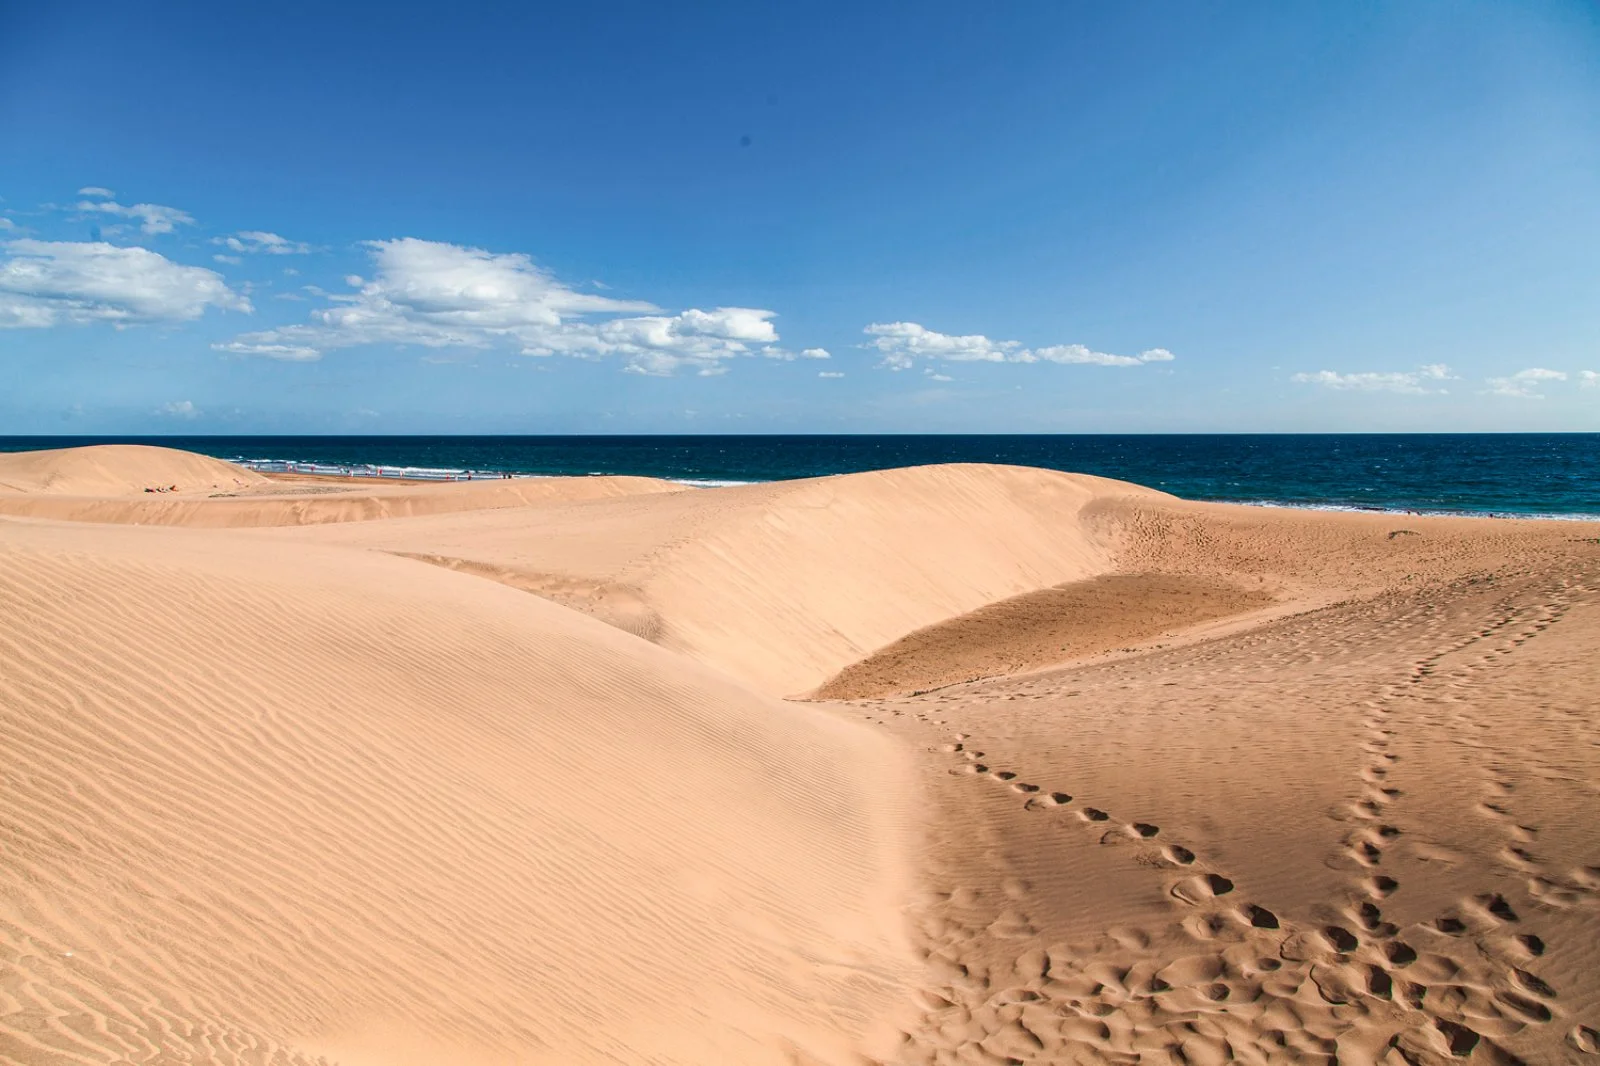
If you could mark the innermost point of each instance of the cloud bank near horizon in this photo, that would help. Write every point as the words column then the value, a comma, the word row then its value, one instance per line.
column 901, row 344
column 1523, row 385
column 438, row 295
column 1416, row 382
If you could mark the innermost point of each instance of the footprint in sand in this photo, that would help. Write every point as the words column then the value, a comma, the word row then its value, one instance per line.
column 1370, row 918
column 1366, row 853
column 1200, row 888
column 1530, row 944
column 1524, row 1008
column 1381, row 887
column 1585, row 1039
column 1379, row 983
column 1054, row 799
column 1532, row 984
column 1205, row 926
column 1554, row 894
column 1367, row 808
column 1258, row 916
column 1519, row 857
column 1342, row 939
column 1458, row 1038
column 1495, row 907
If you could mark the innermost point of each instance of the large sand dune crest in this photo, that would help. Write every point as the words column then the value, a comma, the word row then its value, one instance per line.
column 267, row 804
column 782, row 585
column 143, row 485
column 119, row 470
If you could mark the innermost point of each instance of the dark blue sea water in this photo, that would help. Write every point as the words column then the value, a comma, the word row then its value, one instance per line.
column 1521, row 474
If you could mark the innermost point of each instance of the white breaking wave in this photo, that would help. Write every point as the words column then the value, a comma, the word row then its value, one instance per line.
column 708, row 483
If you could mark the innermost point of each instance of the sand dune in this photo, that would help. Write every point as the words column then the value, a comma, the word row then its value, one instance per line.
column 269, row 803
column 119, row 470
column 1044, row 628
column 782, row 585
column 292, row 502
column 1355, row 835
column 1275, row 786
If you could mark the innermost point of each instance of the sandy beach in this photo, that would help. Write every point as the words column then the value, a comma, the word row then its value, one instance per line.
column 947, row 764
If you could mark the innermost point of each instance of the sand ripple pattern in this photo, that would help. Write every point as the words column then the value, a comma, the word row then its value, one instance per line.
column 299, row 805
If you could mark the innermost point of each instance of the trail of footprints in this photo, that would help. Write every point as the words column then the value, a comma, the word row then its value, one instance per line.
column 1273, row 990
column 1547, row 887
column 1246, row 1001
column 1517, row 998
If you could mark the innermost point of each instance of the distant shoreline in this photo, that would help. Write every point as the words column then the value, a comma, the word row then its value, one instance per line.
column 361, row 474
column 1518, row 475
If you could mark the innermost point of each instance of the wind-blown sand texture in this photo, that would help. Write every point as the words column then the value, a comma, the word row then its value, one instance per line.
column 270, row 803
column 498, row 773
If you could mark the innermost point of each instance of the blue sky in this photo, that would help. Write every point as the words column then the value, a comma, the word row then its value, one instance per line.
column 704, row 218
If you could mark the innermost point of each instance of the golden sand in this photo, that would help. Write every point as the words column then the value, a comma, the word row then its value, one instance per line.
column 504, row 772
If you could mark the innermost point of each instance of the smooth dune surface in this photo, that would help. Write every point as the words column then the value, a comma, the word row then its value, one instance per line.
column 784, row 584
column 472, row 777
column 108, row 485
column 119, row 470
column 1040, row 629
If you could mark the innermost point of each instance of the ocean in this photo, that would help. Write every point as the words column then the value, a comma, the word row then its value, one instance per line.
column 1526, row 474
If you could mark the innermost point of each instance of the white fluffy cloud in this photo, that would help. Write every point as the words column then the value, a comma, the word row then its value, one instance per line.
column 96, row 190
column 1588, row 379
column 43, row 283
column 179, row 409
column 6, row 224
column 288, row 353
column 1414, row 382
column 153, row 218
column 1523, row 383
column 437, row 295
column 261, row 242
column 830, row 373
column 1077, row 353
column 901, row 344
